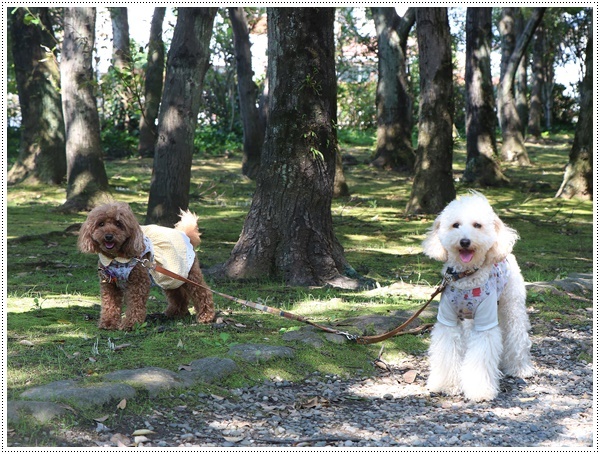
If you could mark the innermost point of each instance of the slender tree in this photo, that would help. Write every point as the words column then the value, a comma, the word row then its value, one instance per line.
column 153, row 85
column 87, row 182
column 534, row 123
column 123, row 67
column 433, row 186
column 513, row 144
column 187, row 63
column 521, row 82
column 394, row 103
column 42, row 155
column 254, row 129
column 483, row 165
column 288, row 232
column 578, row 181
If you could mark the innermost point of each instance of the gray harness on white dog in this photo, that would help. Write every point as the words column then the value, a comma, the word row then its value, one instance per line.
column 479, row 304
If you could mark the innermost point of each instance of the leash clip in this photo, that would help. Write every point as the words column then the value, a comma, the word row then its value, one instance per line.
column 146, row 263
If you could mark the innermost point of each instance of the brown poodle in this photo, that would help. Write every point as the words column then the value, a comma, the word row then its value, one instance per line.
column 113, row 232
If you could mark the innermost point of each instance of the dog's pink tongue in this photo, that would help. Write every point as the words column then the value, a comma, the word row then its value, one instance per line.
column 466, row 256
column 109, row 245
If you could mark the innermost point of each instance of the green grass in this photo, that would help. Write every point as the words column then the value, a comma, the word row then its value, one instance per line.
column 53, row 297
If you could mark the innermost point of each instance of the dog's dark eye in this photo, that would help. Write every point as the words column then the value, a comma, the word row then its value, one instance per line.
column 477, row 225
column 455, row 225
column 118, row 224
column 101, row 224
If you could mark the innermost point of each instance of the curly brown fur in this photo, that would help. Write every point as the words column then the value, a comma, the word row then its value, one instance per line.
column 114, row 231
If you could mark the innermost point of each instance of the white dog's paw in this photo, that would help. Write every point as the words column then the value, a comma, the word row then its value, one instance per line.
column 519, row 371
column 481, row 393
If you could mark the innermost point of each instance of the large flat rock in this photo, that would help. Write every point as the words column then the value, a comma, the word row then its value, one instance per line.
column 258, row 353
column 152, row 379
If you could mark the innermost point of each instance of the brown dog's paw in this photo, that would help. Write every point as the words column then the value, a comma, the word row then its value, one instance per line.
column 110, row 325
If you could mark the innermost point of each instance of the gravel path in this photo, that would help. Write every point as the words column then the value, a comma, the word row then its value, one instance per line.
column 393, row 408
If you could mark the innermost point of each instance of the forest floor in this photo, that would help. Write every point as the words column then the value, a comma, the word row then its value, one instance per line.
column 52, row 309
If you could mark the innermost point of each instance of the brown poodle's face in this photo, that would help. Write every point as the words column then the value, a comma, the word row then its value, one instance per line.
column 112, row 230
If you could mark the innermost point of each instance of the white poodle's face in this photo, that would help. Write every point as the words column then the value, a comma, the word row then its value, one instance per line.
column 468, row 233
column 466, row 237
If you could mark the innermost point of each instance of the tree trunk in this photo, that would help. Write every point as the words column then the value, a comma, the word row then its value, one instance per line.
column 482, row 165
column 254, row 132
column 288, row 232
column 87, row 182
column 579, row 175
column 42, row 157
column 122, row 63
column 513, row 144
column 153, row 85
column 534, row 125
column 187, row 63
column 393, row 100
column 521, row 79
column 433, row 186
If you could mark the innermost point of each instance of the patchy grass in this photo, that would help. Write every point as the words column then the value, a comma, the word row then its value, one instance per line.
column 53, row 298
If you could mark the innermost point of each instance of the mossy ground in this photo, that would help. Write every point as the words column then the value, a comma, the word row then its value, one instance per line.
column 52, row 300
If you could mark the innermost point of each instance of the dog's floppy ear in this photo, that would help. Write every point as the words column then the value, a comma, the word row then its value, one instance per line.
column 134, row 245
column 432, row 246
column 85, row 243
column 506, row 238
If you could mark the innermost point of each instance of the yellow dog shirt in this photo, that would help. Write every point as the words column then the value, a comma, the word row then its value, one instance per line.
column 168, row 248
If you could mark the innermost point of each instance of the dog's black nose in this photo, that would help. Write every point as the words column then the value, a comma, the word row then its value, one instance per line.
column 465, row 243
column 108, row 237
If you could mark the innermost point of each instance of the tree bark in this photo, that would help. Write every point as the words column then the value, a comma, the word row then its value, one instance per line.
column 393, row 100
column 87, row 182
column 254, row 132
column 578, row 181
column 483, row 167
column 534, row 124
column 120, row 29
column 187, row 63
column 521, row 79
column 42, row 157
column 153, row 85
column 513, row 144
column 433, row 186
column 288, row 232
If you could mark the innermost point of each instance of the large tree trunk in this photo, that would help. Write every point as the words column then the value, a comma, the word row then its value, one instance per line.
column 288, row 232
column 394, row 103
column 87, row 182
column 433, row 186
column 483, row 165
column 534, row 124
column 42, row 149
column 579, row 176
column 187, row 63
column 153, row 85
column 513, row 143
column 254, row 132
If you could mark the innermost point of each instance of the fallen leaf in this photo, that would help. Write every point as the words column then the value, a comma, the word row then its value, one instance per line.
column 233, row 439
column 121, row 347
column 214, row 396
column 26, row 343
column 121, row 405
column 409, row 376
column 180, row 344
column 381, row 364
column 142, row 432
column 140, row 439
column 120, row 440
column 315, row 402
column 102, row 418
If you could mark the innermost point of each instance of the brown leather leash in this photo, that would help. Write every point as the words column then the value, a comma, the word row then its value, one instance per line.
column 363, row 340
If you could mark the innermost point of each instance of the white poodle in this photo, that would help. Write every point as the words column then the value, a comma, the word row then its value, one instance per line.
column 482, row 323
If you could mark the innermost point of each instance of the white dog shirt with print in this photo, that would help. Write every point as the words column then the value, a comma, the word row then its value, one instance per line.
column 479, row 304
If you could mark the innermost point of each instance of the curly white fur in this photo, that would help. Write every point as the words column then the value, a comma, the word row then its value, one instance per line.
column 466, row 236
